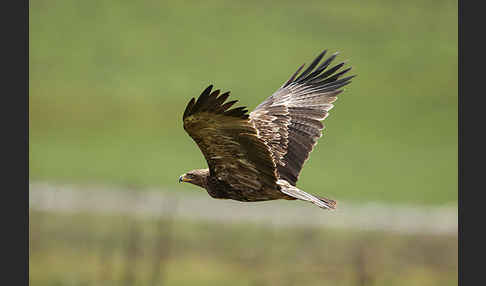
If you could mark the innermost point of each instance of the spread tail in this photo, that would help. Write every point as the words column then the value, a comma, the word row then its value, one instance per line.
column 322, row 202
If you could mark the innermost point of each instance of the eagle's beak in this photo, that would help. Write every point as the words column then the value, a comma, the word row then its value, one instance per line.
column 183, row 179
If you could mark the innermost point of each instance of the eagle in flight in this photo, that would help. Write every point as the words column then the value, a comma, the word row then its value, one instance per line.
column 258, row 156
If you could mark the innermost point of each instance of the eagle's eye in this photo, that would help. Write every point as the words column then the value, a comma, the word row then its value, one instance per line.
column 186, row 177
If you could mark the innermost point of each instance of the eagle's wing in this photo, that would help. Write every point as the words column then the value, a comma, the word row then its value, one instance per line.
column 290, row 119
column 229, row 141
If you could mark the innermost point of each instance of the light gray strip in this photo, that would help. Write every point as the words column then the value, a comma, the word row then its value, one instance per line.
column 199, row 206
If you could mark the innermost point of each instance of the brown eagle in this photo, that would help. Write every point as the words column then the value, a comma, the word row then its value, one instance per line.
column 258, row 156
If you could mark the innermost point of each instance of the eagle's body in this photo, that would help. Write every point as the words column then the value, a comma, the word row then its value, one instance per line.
column 219, row 189
column 259, row 156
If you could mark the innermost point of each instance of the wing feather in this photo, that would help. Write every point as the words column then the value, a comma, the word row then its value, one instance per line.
column 231, row 145
column 302, row 103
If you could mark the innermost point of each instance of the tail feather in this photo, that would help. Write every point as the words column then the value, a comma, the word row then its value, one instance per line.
column 331, row 203
column 322, row 202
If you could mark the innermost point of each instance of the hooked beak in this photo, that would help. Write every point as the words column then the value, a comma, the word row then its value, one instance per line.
column 183, row 179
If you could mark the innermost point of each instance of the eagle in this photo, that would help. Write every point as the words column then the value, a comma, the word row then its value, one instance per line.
column 258, row 156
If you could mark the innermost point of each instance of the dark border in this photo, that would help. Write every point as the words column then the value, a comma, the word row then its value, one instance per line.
column 471, row 123
column 15, row 142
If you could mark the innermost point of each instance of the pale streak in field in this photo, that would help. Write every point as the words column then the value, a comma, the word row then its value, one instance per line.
column 198, row 206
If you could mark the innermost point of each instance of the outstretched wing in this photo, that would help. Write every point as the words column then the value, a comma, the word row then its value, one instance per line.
column 290, row 119
column 229, row 141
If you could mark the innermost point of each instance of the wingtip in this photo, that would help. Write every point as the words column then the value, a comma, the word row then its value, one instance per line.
column 207, row 90
column 321, row 54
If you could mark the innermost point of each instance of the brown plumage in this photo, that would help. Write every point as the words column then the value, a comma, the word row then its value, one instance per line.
column 259, row 156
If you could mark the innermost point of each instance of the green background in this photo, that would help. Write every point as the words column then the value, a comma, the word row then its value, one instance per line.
column 109, row 81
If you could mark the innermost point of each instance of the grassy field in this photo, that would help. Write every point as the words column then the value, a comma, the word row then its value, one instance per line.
column 109, row 81
column 82, row 249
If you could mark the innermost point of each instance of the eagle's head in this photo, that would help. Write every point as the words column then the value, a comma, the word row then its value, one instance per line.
column 196, row 177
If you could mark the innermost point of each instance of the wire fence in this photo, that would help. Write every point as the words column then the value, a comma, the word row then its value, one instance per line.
column 200, row 207
column 99, row 235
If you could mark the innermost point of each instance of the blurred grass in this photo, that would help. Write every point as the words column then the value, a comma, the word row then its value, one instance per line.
column 79, row 249
column 109, row 81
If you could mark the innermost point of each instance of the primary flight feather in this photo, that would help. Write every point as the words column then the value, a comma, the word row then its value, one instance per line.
column 258, row 156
